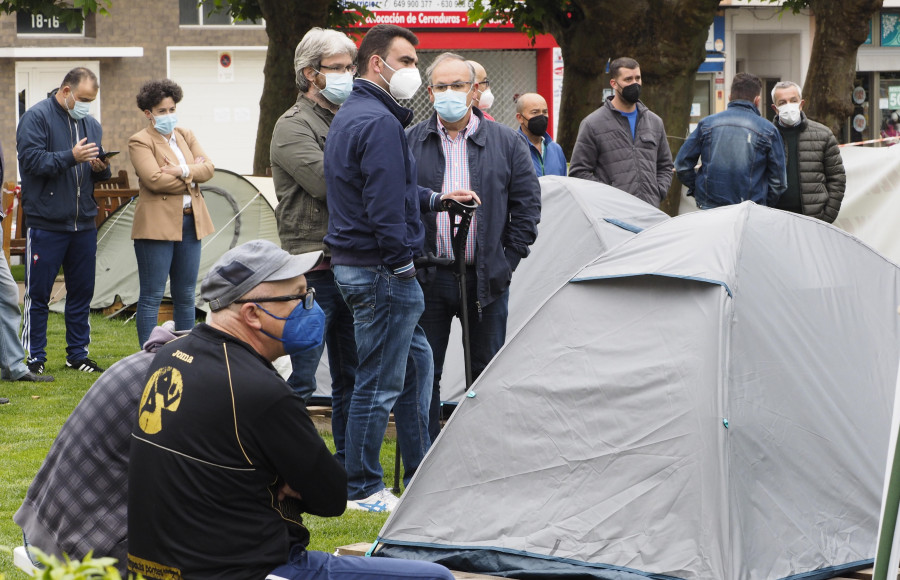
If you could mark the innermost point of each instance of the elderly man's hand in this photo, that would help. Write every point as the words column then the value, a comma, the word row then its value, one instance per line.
column 462, row 196
column 286, row 491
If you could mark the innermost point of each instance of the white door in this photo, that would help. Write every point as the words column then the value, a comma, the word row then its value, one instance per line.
column 221, row 109
column 35, row 81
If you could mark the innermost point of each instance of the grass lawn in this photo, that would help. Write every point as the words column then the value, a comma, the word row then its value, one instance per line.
column 32, row 419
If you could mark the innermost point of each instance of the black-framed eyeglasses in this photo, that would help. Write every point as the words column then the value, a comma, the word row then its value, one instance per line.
column 308, row 298
column 350, row 68
column 458, row 87
column 484, row 85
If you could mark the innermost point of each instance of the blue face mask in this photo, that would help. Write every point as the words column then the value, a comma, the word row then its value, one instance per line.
column 165, row 124
column 337, row 87
column 80, row 110
column 303, row 330
column 451, row 105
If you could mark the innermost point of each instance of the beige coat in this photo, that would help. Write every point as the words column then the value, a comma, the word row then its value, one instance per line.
column 159, row 213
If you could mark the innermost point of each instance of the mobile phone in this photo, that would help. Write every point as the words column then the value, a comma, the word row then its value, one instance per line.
column 107, row 154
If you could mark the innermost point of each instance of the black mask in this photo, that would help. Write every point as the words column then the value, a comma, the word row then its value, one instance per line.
column 537, row 125
column 632, row 93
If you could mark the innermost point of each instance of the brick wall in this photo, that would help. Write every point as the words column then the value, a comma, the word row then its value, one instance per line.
column 151, row 25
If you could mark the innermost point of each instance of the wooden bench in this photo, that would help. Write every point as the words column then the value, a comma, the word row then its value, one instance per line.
column 110, row 195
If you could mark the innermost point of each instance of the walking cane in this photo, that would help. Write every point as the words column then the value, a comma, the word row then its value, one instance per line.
column 458, row 233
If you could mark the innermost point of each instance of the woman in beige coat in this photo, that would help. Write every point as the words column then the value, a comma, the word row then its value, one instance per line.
column 171, row 217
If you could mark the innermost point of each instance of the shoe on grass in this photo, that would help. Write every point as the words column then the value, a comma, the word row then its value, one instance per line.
column 31, row 377
column 36, row 367
column 380, row 501
column 85, row 365
column 3, row 400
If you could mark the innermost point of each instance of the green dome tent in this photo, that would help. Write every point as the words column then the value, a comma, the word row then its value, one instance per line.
column 240, row 213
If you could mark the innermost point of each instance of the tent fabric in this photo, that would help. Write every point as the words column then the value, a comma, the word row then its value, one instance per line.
column 709, row 399
column 238, row 211
column 580, row 219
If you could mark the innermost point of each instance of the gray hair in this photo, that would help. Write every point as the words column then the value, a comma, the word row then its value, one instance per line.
column 786, row 85
column 317, row 44
column 449, row 56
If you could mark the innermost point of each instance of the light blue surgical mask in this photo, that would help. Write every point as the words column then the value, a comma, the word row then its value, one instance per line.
column 80, row 109
column 337, row 87
column 304, row 329
column 451, row 105
column 165, row 124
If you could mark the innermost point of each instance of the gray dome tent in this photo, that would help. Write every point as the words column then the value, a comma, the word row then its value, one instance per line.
column 709, row 399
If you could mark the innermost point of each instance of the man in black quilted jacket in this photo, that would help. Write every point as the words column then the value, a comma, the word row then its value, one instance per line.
column 815, row 172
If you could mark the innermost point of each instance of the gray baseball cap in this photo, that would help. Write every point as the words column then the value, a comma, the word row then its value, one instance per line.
column 243, row 268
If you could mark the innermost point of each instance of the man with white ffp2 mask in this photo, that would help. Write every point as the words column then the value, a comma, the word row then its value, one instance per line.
column 815, row 173
column 374, row 232
column 483, row 97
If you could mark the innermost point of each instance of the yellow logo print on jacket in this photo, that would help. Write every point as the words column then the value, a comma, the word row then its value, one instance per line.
column 162, row 392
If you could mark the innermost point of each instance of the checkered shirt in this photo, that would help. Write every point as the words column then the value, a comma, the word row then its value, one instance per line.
column 456, row 176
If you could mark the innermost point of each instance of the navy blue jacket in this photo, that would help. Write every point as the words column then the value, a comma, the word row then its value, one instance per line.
column 554, row 163
column 503, row 177
column 57, row 193
column 370, row 174
column 743, row 159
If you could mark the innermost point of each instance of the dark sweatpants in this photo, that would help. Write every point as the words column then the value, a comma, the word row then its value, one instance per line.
column 46, row 251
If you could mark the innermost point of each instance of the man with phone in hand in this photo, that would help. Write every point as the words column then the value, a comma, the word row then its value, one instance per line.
column 59, row 145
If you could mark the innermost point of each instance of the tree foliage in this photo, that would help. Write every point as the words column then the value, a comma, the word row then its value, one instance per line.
column 61, row 9
column 667, row 38
column 840, row 29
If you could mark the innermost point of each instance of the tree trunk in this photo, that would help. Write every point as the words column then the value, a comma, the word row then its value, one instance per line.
column 286, row 23
column 840, row 28
column 667, row 38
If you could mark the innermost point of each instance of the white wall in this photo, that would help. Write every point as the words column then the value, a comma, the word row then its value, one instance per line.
column 771, row 44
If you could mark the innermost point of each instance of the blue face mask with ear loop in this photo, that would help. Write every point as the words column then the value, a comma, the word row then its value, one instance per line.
column 337, row 87
column 79, row 110
column 165, row 124
column 303, row 329
column 451, row 105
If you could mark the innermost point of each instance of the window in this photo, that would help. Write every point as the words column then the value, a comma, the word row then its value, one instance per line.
column 190, row 14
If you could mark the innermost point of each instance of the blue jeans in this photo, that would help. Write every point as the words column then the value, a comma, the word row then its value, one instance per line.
column 341, row 356
column 487, row 329
column 12, row 355
column 46, row 251
column 179, row 262
column 311, row 565
column 395, row 370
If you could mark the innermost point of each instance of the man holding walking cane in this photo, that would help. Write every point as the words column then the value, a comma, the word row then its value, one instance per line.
column 457, row 149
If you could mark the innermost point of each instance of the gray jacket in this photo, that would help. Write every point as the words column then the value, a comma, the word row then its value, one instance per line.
column 822, row 178
column 605, row 152
column 297, row 154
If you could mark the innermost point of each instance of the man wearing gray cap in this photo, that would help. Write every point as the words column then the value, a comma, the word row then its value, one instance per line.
column 224, row 457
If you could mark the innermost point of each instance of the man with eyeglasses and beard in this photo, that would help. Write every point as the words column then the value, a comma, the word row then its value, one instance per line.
column 457, row 149
column 623, row 143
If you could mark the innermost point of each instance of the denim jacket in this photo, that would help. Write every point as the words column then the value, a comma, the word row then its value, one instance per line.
column 742, row 159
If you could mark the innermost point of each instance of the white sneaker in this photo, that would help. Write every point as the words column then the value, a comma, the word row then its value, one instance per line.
column 380, row 501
